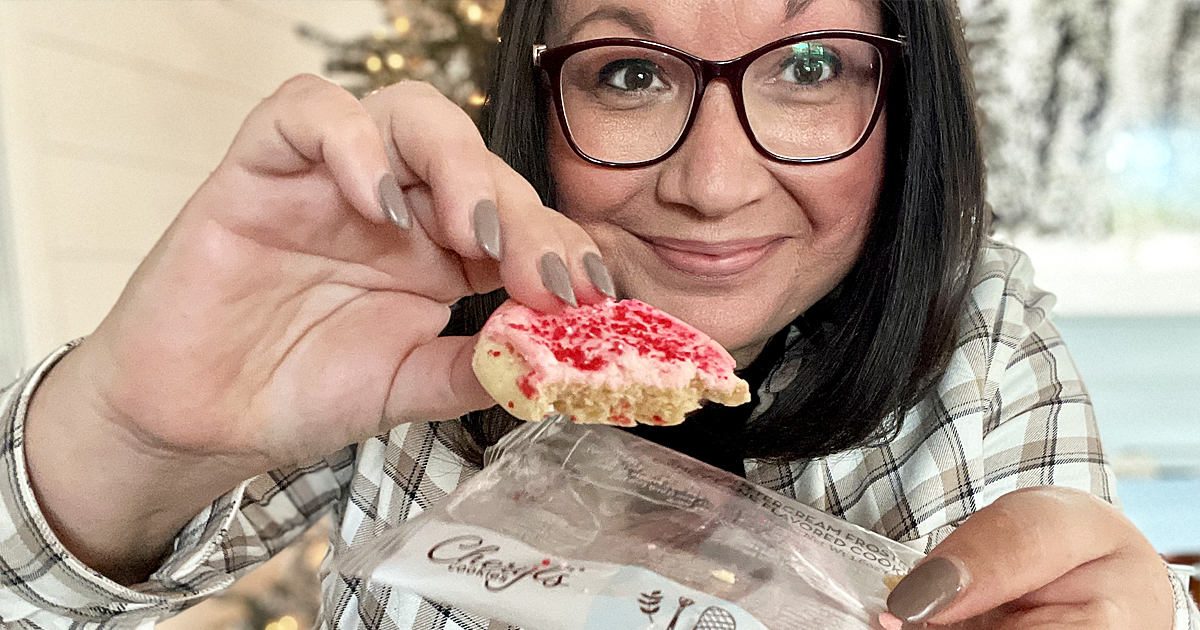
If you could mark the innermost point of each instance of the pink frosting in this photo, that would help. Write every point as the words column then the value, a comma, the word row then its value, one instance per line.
column 610, row 343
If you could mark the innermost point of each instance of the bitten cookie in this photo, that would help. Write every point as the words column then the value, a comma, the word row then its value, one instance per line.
column 613, row 362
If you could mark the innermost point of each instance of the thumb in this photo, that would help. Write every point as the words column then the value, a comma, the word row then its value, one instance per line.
column 1023, row 541
column 436, row 382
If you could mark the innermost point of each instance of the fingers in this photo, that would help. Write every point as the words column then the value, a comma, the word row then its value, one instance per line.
column 409, row 156
column 432, row 142
column 1019, row 544
column 467, row 199
column 550, row 261
column 310, row 121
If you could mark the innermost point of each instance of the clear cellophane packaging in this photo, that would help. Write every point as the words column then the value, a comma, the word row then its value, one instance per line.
column 584, row 527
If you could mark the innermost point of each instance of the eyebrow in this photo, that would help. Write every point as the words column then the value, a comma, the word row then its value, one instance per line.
column 641, row 25
column 634, row 20
column 796, row 7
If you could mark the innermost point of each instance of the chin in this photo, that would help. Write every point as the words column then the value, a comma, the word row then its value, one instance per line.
column 732, row 335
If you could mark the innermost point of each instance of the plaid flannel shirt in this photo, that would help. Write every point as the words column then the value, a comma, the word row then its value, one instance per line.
column 1010, row 412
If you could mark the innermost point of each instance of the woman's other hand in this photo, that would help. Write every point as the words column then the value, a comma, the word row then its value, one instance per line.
column 286, row 313
column 1040, row 558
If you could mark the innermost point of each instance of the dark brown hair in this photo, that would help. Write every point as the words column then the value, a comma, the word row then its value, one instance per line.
column 879, row 341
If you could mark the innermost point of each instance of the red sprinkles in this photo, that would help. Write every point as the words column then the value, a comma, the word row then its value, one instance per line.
column 587, row 337
column 525, row 384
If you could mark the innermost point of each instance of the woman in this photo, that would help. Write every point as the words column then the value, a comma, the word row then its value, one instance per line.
column 818, row 210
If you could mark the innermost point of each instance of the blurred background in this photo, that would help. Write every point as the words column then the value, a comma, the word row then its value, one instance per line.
column 112, row 113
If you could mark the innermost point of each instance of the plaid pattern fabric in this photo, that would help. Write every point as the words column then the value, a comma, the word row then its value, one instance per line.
column 1010, row 412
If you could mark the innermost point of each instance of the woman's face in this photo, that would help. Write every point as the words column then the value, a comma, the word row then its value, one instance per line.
column 717, row 234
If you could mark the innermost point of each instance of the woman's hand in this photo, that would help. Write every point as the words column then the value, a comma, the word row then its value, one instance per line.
column 286, row 313
column 283, row 316
column 1045, row 557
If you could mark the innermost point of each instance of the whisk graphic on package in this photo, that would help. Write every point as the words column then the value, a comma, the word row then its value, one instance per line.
column 714, row 618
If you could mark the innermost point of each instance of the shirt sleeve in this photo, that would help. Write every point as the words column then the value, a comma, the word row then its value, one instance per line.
column 1187, row 614
column 1039, row 428
column 43, row 586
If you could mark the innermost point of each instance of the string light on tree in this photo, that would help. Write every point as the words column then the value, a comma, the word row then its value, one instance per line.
column 474, row 13
column 448, row 43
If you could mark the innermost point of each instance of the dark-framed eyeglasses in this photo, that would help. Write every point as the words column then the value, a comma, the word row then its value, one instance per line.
column 808, row 98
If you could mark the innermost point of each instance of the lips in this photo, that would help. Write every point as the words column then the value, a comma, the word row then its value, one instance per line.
column 712, row 259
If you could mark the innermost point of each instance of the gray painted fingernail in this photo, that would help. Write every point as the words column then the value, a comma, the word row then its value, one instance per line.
column 557, row 278
column 392, row 202
column 927, row 590
column 597, row 271
column 487, row 228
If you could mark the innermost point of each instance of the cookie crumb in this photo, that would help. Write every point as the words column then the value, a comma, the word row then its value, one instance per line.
column 725, row 575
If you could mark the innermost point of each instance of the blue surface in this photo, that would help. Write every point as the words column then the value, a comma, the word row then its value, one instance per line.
column 1166, row 510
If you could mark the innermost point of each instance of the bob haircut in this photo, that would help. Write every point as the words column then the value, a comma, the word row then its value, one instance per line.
column 881, row 340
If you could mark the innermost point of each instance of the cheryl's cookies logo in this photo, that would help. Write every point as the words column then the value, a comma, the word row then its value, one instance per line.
column 470, row 555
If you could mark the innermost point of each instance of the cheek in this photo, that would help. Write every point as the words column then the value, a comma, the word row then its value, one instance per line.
column 585, row 192
column 839, row 198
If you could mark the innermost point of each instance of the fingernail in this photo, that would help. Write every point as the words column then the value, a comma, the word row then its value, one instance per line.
column 927, row 590
column 392, row 202
column 597, row 271
column 557, row 278
column 487, row 228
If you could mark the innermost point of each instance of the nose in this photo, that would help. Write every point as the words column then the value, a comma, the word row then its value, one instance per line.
column 717, row 170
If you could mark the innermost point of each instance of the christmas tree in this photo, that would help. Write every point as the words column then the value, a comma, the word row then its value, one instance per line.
column 448, row 43
column 1092, row 112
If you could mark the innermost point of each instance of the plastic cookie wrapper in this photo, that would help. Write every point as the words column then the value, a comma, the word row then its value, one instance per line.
column 588, row 527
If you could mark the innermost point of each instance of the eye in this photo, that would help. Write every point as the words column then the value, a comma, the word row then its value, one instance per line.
column 810, row 64
column 632, row 75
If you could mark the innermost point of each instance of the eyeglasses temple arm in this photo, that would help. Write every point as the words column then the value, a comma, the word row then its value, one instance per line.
column 538, row 49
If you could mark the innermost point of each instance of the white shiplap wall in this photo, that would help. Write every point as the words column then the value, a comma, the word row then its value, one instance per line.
column 111, row 114
column 11, row 346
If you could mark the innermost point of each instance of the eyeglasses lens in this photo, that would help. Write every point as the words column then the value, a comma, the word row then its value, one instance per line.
column 813, row 99
column 625, row 104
